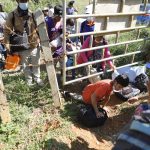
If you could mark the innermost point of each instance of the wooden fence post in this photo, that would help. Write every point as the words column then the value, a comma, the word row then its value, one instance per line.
column 39, row 18
column 4, row 106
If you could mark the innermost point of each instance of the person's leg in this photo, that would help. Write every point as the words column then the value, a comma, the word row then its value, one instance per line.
column 35, row 60
column 73, row 96
column 25, row 61
column 70, row 63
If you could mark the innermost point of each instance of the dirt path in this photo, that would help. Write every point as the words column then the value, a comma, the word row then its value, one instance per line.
column 102, row 138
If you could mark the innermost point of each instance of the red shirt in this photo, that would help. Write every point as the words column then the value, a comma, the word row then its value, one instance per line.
column 101, row 89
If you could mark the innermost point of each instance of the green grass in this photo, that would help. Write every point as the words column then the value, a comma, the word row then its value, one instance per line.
column 10, row 5
column 31, row 111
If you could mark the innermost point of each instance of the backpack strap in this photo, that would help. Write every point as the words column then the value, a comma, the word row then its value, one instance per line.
column 13, row 19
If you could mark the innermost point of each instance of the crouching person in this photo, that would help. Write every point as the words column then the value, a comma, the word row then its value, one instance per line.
column 21, row 22
column 101, row 90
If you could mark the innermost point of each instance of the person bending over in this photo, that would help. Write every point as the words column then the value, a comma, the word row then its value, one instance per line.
column 101, row 90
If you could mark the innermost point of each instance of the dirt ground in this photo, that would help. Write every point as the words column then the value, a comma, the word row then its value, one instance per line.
column 102, row 138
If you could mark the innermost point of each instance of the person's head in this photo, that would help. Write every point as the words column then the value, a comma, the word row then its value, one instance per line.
column 23, row 4
column 90, row 21
column 70, row 22
column 98, row 39
column 1, row 8
column 70, row 4
column 45, row 11
column 120, row 82
column 58, row 11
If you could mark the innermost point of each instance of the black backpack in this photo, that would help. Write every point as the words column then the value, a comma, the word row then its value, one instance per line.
column 140, row 82
column 87, row 117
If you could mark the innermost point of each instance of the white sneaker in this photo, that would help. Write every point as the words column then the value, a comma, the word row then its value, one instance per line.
column 30, row 83
column 40, row 82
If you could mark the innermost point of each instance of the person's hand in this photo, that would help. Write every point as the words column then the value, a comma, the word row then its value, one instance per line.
column 7, row 46
column 108, row 110
column 99, row 114
column 133, row 99
column 113, row 67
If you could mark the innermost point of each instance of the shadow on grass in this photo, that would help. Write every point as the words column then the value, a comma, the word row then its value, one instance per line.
column 18, row 91
column 78, row 144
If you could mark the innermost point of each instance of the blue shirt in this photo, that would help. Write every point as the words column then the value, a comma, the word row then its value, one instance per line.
column 86, row 28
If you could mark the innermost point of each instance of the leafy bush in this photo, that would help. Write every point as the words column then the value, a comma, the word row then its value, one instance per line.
column 11, row 5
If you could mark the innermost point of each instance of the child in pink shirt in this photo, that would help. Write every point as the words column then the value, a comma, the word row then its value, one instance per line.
column 98, row 40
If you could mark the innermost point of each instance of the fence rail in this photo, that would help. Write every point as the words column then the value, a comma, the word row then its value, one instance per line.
column 105, row 31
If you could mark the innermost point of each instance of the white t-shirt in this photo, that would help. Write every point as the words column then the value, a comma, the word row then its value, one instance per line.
column 131, row 72
column 3, row 17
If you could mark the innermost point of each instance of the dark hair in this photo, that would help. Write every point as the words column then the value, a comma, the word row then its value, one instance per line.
column 70, row 22
column 1, row 8
column 122, row 80
column 71, row 3
column 58, row 10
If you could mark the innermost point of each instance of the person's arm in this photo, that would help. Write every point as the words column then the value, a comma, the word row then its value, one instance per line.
column 8, row 28
column 85, row 45
column 103, row 50
column 75, row 9
column 94, row 104
column 81, row 31
column 106, row 100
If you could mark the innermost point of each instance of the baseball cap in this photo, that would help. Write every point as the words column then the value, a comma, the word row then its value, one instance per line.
column 71, row 2
column 45, row 8
column 58, row 10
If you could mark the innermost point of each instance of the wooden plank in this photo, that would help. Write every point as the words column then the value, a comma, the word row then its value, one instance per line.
column 94, row 4
column 39, row 18
column 122, row 6
column 138, row 34
column 106, row 23
column 4, row 106
column 117, row 37
column 64, row 41
column 132, row 60
column 131, row 18
column 76, row 29
column 126, row 48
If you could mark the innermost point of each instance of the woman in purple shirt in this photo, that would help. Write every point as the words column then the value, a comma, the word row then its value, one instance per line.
column 71, row 9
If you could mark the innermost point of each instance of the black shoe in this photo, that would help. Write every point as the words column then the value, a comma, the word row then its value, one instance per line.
column 66, row 94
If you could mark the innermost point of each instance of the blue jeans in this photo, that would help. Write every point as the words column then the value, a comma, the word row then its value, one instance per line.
column 70, row 63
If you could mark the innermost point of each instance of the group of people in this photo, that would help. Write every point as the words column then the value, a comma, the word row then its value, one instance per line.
column 54, row 28
column 22, row 20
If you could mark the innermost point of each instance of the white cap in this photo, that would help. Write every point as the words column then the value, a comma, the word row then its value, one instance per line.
column 45, row 8
column 88, row 9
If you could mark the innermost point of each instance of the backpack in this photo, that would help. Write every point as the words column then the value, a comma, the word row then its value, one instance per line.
column 87, row 117
column 140, row 82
